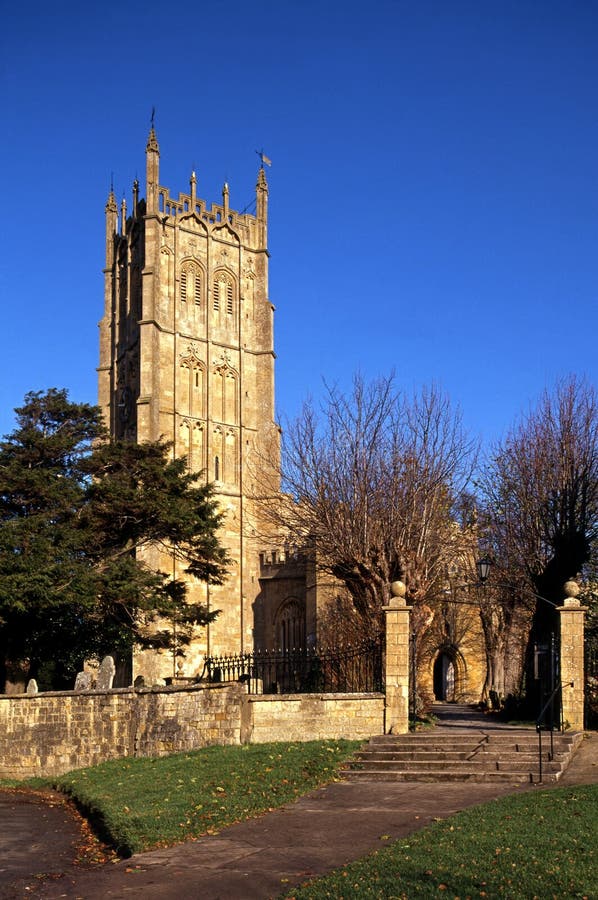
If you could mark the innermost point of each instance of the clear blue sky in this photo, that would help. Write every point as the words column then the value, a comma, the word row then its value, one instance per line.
column 433, row 193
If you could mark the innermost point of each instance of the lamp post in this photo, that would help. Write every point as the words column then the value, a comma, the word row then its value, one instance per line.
column 483, row 567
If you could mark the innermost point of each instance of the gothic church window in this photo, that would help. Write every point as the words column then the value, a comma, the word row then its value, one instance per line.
column 290, row 625
column 224, row 295
column 191, row 283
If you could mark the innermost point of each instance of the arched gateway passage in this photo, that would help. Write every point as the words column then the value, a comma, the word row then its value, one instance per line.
column 444, row 677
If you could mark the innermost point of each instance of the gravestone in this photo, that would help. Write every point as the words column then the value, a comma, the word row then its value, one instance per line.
column 32, row 686
column 83, row 681
column 106, row 674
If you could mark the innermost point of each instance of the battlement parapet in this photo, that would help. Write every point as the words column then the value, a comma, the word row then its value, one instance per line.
column 272, row 561
column 185, row 205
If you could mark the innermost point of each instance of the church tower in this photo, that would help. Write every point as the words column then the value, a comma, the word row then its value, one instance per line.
column 186, row 354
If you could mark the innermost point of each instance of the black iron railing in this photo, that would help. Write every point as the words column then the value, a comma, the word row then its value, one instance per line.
column 346, row 670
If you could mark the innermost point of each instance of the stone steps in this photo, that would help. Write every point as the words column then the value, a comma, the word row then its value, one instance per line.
column 509, row 755
column 432, row 760
column 448, row 776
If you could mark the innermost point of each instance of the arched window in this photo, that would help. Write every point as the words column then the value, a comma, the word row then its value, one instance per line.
column 191, row 283
column 290, row 625
column 224, row 296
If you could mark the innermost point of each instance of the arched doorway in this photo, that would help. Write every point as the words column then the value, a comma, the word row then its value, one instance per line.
column 444, row 677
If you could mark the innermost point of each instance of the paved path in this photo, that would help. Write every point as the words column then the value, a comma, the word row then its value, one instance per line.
column 264, row 857
column 39, row 832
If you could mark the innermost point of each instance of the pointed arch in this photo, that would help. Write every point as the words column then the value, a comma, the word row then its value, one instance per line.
column 249, row 293
column 225, row 394
column 225, row 298
column 191, row 435
column 192, row 283
column 224, row 233
column 197, row 448
column 185, row 438
column 230, row 403
column 231, row 444
column 166, row 280
column 289, row 624
column 449, row 674
column 191, row 221
column 217, row 454
column 192, row 384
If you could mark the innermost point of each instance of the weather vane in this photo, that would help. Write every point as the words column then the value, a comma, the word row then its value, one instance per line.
column 263, row 157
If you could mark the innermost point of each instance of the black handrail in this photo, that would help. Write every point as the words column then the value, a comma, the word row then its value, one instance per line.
column 548, row 703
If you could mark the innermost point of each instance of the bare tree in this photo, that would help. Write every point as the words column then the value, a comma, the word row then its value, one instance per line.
column 542, row 492
column 505, row 619
column 540, row 517
column 371, row 480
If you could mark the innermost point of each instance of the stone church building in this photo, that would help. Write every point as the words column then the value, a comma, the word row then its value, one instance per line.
column 187, row 354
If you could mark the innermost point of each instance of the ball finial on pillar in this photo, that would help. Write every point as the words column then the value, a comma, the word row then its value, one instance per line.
column 397, row 591
column 571, row 590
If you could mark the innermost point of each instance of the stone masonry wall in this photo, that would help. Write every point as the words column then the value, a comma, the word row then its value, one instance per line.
column 50, row 734
column 311, row 717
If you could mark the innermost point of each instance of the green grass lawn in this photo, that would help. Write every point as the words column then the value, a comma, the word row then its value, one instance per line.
column 540, row 844
column 137, row 804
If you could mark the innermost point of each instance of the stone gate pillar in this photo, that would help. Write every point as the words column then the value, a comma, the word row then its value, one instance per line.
column 396, row 674
column 571, row 616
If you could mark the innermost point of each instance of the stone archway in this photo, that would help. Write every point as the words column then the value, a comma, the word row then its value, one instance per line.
column 445, row 676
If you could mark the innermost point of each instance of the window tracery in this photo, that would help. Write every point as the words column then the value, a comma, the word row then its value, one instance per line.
column 191, row 283
column 290, row 625
column 224, row 296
